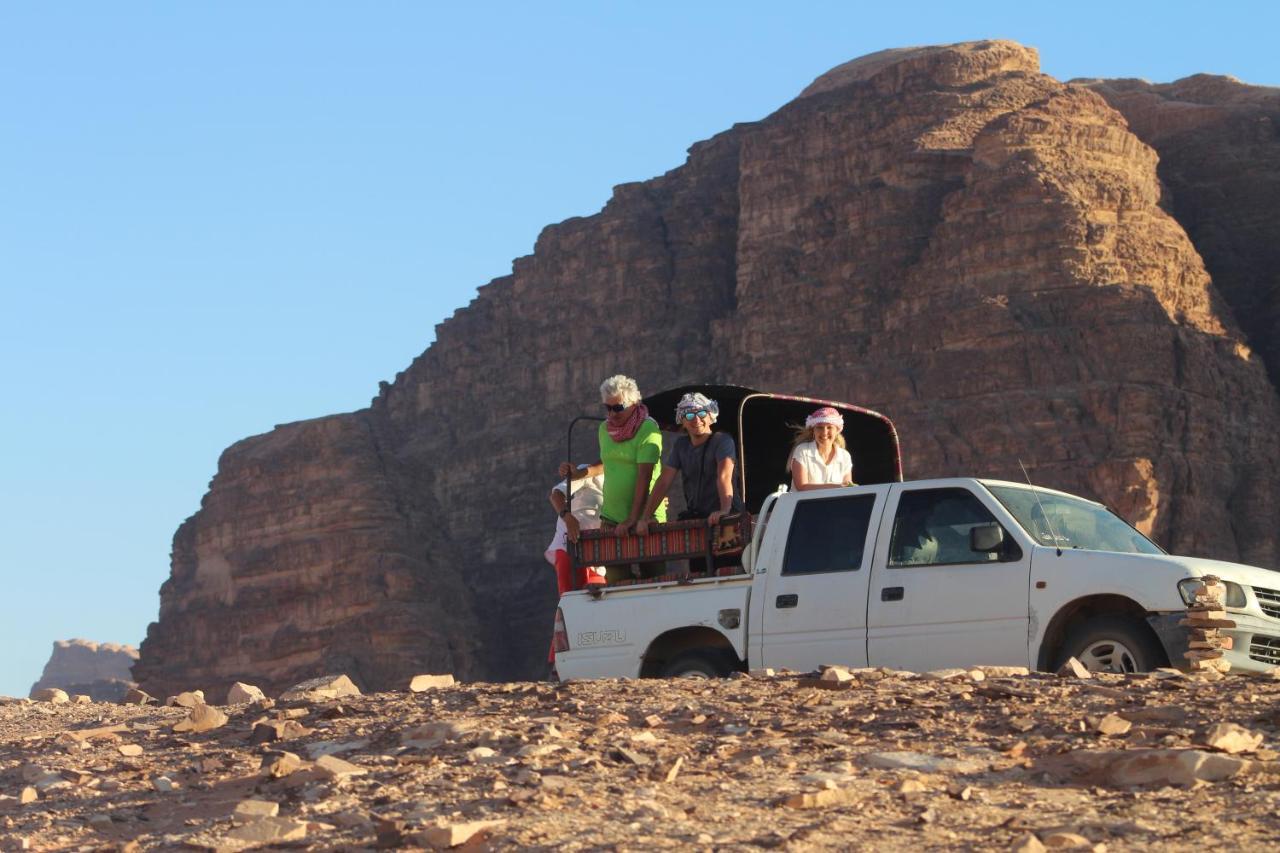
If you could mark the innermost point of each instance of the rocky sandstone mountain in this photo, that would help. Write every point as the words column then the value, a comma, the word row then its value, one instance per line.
column 97, row 670
column 1009, row 266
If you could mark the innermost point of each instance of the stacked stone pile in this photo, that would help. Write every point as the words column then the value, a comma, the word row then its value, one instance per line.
column 1206, row 618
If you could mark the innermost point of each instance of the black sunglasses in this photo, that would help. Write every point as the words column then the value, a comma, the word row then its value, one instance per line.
column 701, row 413
column 616, row 408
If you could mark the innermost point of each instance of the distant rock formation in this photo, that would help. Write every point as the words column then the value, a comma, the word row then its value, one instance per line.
column 98, row 670
column 1219, row 146
column 945, row 234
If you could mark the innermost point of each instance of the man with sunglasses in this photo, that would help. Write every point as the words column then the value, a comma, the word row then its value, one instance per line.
column 704, row 459
column 630, row 456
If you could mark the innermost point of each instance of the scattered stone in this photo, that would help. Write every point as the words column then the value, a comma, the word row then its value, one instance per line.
column 129, row 750
column 244, row 694
column 82, row 699
column 433, row 735
column 1112, row 725
column 318, row 689
column 1165, row 714
column 189, row 699
column 203, row 718
column 836, row 675
column 419, row 683
column 1231, row 738
column 1074, row 669
column 43, row 780
column 137, row 697
column 28, row 795
column 820, row 799
column 55, row 695
column 75, row 776
column 333, row 747
column 247, row 810
column 337, row 768
column 675, row 770
column 269, row 830
column 280, row 764
column 923, row 763
column 1005, row 671
column 95, row 733
column 653, row 721
column 1028, row 844
column 163, row 784
column 452, row 835
column 628, row 756
column 1065, row 841
column 1137, row 767
column 946, row 674
column 269, row 731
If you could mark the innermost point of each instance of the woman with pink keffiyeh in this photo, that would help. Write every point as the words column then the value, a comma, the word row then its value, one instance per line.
column 630, row 456
column 819, row 459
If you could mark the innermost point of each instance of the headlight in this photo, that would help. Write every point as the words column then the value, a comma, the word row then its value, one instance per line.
column 1235, row 592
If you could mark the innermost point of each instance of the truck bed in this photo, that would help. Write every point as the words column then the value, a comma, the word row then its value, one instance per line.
column 601, row 623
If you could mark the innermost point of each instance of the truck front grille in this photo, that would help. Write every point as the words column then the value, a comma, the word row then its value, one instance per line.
column 1265, row 649
column 1268, row 600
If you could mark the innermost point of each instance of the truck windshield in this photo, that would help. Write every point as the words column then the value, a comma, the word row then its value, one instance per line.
column 1066, row 522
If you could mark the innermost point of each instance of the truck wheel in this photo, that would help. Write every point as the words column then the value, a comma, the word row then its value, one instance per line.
column 704, row 663
column 1111, row 644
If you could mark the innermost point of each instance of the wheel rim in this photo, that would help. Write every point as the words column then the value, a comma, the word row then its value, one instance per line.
column 1108, row 656
column 691, row 673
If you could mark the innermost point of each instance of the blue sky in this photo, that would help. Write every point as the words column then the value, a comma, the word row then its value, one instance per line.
column 221, row 217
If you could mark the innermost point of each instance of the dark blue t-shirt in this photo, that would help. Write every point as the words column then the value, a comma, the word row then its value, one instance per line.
column 698, row 467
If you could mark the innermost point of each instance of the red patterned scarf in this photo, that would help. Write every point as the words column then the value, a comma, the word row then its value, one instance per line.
column 627, row 429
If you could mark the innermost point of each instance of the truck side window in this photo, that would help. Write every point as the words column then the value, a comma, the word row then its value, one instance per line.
column 828, row 535
column 932, row 528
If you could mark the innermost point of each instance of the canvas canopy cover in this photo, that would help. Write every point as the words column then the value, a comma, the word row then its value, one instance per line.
column 762, row 425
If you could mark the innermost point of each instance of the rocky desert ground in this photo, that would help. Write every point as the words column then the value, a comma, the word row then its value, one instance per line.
column 841, row 759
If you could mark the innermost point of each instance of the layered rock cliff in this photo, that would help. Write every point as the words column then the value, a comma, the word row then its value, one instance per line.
column 982, row 252
column 97, row 670
column 1219, row 146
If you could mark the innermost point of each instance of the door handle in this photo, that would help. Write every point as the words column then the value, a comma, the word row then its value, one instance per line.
column 787, row 600
column 891, row 593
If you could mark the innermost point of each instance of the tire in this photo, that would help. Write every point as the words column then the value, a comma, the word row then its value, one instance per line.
column 703, row 663
column 1111, row 644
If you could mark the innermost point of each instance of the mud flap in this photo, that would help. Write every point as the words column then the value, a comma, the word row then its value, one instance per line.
column 1173, row 637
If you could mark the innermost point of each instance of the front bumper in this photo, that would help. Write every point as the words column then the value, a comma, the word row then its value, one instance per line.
column 1255, row 640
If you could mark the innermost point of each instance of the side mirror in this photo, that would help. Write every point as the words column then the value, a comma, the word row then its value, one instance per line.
column 986, row 538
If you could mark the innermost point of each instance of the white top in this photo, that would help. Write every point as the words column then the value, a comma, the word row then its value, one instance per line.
column 818, row 472
column 588, row 494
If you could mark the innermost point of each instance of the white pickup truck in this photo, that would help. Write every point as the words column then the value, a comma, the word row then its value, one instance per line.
column 919, row 576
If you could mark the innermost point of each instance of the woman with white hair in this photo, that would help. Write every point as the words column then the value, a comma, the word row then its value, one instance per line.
column 630, row 456
column 704, row 459
column 819, row 459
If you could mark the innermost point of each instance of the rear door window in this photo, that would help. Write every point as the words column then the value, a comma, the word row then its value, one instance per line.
column 828, row 535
